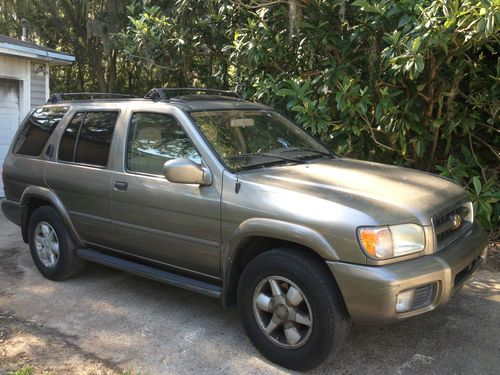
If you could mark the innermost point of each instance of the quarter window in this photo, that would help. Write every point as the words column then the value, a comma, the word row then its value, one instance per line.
column 87, row 138
column 37, row 130
column 155, row 138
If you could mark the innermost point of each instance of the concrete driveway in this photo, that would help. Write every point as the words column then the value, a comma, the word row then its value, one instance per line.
column 118, row 322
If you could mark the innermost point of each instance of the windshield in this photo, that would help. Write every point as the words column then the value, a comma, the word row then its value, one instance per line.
column 254, row 138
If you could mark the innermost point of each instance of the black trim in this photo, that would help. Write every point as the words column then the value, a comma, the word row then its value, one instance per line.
column 168, row 93
column 151, row 273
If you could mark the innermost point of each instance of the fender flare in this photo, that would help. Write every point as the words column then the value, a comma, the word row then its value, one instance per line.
column 49, row 196
column 273, row 229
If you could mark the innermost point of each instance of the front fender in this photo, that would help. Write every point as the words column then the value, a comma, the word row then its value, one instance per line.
column 272, row 229
column 48, row 195
column 282, row 230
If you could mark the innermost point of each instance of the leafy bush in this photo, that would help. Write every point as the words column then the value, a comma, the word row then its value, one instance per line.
column 414, row 83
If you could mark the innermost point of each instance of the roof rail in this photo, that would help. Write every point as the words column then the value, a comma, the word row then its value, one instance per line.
column 167, row 93
column 60, row 96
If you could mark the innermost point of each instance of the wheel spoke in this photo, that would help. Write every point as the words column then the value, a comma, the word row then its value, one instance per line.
column 275, row 287
column 45, row 230
column 273, row 324
column 302, row 318
column 39, row 238
column 52, row 236
column 293, row 296
column 263, row 302
column 55, row 248
column 292, row 335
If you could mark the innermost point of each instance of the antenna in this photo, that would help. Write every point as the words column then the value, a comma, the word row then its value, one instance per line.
column 237, row 187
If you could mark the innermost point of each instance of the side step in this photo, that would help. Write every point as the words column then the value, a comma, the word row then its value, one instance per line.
column 151, row 273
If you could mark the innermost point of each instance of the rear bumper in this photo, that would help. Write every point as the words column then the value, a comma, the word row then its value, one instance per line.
column 12, row 211
column 370, row 292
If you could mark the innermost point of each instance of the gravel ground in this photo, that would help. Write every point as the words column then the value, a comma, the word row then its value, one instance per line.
column 110, row 322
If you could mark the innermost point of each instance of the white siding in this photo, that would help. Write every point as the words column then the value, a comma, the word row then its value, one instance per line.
column 38, row 85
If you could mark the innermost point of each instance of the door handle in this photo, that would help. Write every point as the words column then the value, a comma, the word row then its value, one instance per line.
column 119, row 185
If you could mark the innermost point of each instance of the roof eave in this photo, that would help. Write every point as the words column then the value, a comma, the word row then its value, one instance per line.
column 51, row 57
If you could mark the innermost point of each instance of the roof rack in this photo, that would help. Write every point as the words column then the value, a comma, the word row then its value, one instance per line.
column 60, row 96
column 168, row 93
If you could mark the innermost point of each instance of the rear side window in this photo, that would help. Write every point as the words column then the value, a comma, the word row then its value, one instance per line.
column 68, row 141
column 87, row 138
column 37, row 130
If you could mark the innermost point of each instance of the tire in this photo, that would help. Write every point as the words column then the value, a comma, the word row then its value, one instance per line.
column 326, row 320
column 64, row 263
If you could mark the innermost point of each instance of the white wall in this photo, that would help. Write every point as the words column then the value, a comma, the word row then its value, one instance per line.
column 38, row 85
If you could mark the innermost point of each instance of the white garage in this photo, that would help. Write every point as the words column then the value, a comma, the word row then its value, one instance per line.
column 24, row 84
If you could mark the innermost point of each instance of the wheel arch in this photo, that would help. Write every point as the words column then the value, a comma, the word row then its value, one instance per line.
column 256, row 236
column 37, row 196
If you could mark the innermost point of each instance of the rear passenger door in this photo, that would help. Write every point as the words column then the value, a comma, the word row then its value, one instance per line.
column 80, row 176
column 175, row 224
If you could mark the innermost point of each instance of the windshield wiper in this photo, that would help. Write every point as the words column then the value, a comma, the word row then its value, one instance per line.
column 265, row 154
column 279, row 159
column 324, row 153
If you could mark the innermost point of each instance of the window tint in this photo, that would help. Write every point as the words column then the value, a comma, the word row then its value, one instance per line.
column 155, row 138
column 68, row 140
column 95, row 138
column 37, row 130
column 87, row 138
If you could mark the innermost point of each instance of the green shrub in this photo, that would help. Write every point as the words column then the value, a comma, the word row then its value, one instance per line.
column 414, row 83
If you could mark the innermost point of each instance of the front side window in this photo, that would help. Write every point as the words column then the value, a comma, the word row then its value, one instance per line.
column 246, row 139
column 153, row 139
column 87, row 138
column 37, row 130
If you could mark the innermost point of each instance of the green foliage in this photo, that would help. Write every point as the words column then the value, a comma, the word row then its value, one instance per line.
column 413, row 83
column 26, row 370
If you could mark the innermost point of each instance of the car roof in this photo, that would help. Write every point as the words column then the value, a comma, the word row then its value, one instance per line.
column 188, row 103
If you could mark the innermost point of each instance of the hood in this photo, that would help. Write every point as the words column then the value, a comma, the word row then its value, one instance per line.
column 387, row 193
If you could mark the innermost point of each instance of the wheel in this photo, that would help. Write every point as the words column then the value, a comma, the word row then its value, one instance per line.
column 291, row 308
column 51, row 246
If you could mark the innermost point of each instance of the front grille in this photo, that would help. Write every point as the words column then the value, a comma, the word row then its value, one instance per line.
column 446, row 228
column 423, row 296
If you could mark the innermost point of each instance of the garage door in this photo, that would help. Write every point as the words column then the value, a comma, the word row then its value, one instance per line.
column 9, row 117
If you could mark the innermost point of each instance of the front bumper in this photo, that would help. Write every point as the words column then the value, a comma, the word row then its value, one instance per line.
column 370, row 292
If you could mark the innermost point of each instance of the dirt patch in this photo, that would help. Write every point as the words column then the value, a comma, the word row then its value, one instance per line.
column 492, row 262
column 25, row 345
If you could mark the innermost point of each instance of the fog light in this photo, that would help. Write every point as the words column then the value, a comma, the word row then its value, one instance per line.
column 404, row 300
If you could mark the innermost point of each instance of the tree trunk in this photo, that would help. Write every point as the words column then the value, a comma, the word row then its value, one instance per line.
column 294, row 17
column 112, row 72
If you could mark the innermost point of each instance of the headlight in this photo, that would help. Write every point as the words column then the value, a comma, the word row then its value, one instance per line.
column 391, row 241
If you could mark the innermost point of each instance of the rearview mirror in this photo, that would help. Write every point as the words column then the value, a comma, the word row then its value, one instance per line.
column 184, row 171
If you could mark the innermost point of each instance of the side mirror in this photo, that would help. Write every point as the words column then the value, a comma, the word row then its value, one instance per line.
column 184, row 171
